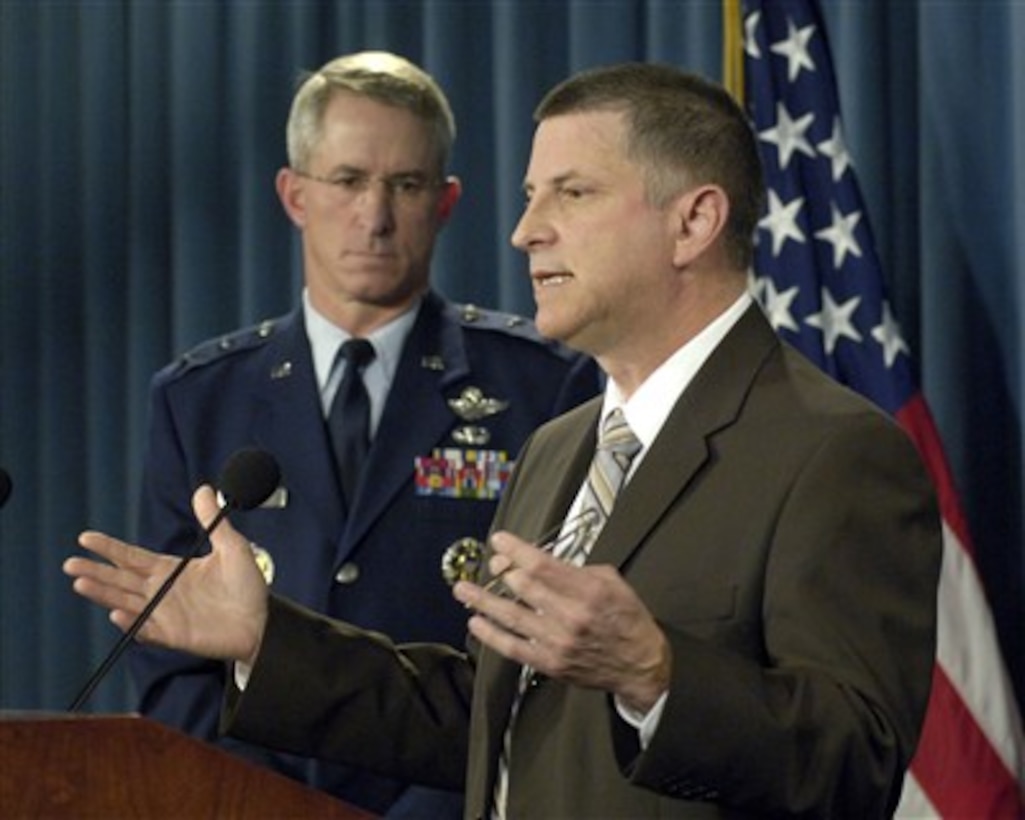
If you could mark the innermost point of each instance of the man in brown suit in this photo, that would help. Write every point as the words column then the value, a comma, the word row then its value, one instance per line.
column 752, row 631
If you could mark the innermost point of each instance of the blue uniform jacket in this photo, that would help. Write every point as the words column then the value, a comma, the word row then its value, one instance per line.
column 380, row 566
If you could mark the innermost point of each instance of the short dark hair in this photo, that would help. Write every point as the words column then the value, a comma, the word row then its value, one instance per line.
column 683, row 130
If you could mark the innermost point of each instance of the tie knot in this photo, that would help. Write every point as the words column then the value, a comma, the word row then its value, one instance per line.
column 617, row 436
column 357, row 353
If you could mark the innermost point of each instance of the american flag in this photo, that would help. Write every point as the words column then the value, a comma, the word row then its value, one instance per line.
column 819, row 279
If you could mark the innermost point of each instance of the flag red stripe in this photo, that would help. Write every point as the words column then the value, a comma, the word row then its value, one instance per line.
column 917, row 421
column 956, row 766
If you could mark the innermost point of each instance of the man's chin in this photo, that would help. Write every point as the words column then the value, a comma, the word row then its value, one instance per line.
column 383, row 286
column 552, row 326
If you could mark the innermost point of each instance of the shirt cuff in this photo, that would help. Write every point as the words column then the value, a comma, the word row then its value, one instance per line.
column 644, row 723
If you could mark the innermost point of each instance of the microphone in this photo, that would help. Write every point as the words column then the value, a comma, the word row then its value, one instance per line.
column 5, row 486
column 247, row 480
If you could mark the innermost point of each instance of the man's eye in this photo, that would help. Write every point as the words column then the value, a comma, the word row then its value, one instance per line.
column 350, row 183
column 571, row 193
column 408, row 186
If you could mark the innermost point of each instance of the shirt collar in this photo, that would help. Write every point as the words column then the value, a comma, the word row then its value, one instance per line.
column 650, row 405
column 326, row 338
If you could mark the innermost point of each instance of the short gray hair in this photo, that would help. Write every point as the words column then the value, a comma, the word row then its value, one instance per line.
column 378, row 75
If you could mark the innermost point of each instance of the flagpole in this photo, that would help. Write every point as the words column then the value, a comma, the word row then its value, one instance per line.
column 733, row 50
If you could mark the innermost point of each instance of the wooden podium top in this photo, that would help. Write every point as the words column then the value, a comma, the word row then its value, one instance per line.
column 125, row 766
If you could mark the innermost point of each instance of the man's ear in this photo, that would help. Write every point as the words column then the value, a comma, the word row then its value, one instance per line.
column 700, row 217
column 451, row 191
column 292, row 194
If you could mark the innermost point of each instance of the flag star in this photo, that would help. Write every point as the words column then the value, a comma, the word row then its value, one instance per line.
column 751, row 35
column 795, row 49
column 777, row 305
column 840, row 234
column 835, row 321
column 781, row 221
column 788, row 135
column 836, row 149
column 887, row 333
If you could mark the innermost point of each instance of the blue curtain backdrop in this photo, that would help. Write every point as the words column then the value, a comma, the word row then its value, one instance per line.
column 138, row 144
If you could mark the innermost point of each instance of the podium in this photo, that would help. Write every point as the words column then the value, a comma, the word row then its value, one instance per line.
column 124, row 766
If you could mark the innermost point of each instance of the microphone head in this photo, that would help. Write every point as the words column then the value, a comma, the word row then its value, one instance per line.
column 5, row 486
column 248, row 478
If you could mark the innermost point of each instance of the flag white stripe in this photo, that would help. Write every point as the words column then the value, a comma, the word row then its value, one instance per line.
column 914, row 805
column 968, row 652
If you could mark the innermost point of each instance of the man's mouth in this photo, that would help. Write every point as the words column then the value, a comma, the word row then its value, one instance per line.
column 546, row 279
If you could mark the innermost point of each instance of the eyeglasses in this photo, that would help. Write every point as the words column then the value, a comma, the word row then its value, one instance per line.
column 405, row 189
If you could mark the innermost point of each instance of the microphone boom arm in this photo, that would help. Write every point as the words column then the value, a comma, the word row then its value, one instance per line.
column 140, row 620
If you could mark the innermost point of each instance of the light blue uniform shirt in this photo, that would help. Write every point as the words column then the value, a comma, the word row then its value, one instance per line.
column 325, row 341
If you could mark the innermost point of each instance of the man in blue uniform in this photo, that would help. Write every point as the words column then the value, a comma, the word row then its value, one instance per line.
column 453, row 393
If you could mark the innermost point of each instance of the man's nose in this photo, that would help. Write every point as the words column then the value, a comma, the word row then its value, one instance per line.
column 376, row 204
column 533, row 228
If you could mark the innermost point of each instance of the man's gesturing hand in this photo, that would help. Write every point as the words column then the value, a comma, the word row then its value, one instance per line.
column 583, row 625
column 217, row 608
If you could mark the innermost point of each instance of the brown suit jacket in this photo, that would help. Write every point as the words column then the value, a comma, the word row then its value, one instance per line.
column 784, row 534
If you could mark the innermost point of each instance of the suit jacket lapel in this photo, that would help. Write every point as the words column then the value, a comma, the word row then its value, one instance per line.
column 416, row 416
column 712, row 401
column 292, row 426
column 563, row 473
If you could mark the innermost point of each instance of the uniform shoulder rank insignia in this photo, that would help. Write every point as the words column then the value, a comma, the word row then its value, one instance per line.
column 449, row 472
column 510, row 324
column 473, row 405
column 213, row 349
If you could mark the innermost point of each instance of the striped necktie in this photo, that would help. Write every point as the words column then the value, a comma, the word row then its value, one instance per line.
column 617, row 447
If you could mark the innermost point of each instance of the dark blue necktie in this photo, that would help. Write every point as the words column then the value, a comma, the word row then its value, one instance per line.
column 349, row 420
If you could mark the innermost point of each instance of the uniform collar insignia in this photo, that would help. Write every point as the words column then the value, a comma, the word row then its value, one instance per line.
column 281, row 371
